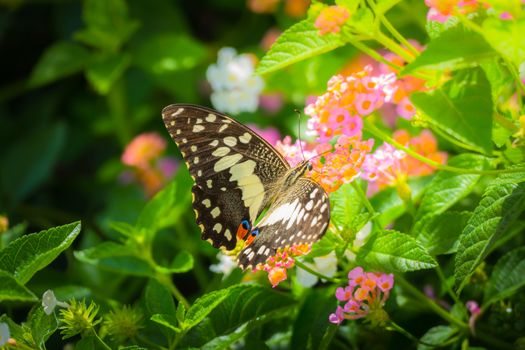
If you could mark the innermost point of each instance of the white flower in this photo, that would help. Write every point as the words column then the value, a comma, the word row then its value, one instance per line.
column 235, row 88
column 49, row 302
column 4, row 333
column 225, row 265
column 325, row 265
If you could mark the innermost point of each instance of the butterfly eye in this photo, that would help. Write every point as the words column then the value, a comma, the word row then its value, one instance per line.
column 309, row 166
column 255, row 232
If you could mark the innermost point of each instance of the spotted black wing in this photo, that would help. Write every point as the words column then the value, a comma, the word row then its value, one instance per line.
column 232, row 166
column 300, row 216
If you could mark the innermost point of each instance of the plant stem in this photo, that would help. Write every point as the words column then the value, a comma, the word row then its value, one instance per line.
column 381, row 135
column 429, row 303
column 449, row 290
column 367, row 203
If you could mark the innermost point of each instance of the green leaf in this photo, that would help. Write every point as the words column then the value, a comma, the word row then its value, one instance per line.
column 506, row 37
column 168, row 53
column 108, row 25
column 60, row 60
column 436, row 336
column 203, row 306
column 445, row 190
column 104, row 72
column 168, row 321
column 393, row 251
column 238, row 304
column 166, row 207
column 502, row 203
column 299, row 42
column 158, row 299
column 31, row 160
column 31, row 253
column 12, row 290
column 312, row 320
column 183, row 262
column 462, row 108
column 42, row 326
column 439, row 234
column 346, row 213
column 507, row 277
column 116, row 257
column 456, row 48
column 226, row 341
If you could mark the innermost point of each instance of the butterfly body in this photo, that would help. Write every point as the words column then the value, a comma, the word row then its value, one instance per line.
column 238, row 176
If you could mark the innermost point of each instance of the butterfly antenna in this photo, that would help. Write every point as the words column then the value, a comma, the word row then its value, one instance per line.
column 299, row 132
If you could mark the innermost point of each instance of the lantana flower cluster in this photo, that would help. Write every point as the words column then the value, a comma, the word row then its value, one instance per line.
column 442, row 10
column 343, row 164
column 347, row 100
column 276, row 266
column 235, row 88
column 331, row 19
column 388, row 166
column 339, row 113
column 143, row 155
column 364, row 296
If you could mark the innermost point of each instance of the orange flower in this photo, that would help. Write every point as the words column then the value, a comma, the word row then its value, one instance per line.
column 143, row 149
column 331, row 19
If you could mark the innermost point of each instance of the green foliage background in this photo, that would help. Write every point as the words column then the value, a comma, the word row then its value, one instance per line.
column 81, row 79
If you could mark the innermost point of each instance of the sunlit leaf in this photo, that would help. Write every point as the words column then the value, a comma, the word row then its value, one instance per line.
column 28, row 254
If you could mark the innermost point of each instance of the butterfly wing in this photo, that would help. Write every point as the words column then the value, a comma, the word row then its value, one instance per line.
column 301, row 215
column 232, row 166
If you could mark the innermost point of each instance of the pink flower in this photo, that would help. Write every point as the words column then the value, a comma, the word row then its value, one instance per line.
column 295, row 152
column 406, row 109
column 143, row 149
column 338, row 316
column 388, row 166
column 343, row 294
column 276, row 266
column 143, row 155
column 365, row 295
column 331, row 19
column 475, row 312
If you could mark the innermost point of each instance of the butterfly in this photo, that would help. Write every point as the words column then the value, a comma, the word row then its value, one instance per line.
column 246, row 197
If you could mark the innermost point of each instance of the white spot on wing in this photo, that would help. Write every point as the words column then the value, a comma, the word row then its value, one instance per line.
column 193, row 148
column 198, row 128
column 221, row 152
column 309, row 205
column 251, row 186
column 227, row 162
column 217, row 227
column 211, row 118
column 223, row 127
column 245, row 138
column 228, row 235
column 314, row 192
column 230, row 141
column 177, row 112
column 214, row 143
column 206, row 202
column 209, row 183
column 215, row 212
